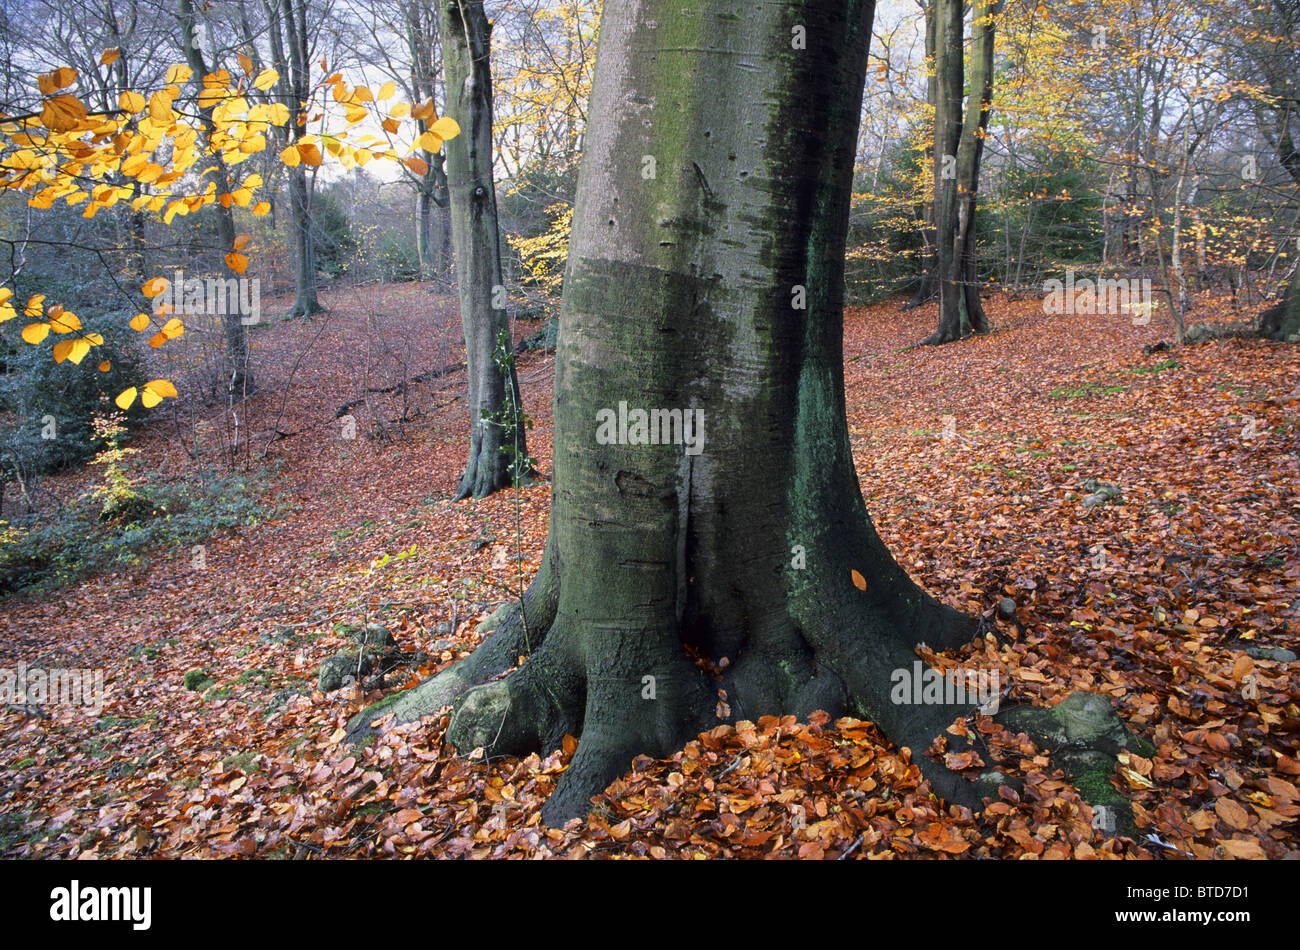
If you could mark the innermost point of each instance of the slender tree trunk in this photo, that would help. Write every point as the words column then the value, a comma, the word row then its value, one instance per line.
column 290, row 49
column 239, row 375
column 423, row 232
column 957, row 173
column 465, row 34
column 947, row 136
column 926, row 284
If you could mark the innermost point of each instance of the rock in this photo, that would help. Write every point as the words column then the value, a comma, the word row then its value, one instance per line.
column 374, row 635
column 1007, row 608
column 1276, row 654
column 341, row 670
column 443, row 629
column 1085, row 735
column 283, row 636
column 437, row 646
column 1081, row 720
column 1101, row 492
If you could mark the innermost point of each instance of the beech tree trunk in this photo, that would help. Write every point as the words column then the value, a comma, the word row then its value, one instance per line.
column 925, row 289
column 683, row 292
column 959, row 146
column 238, row 377
column 495, row 419
column 1282, row 320
column 290, row 52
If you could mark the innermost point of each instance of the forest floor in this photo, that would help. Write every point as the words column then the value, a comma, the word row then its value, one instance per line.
column 972, row 458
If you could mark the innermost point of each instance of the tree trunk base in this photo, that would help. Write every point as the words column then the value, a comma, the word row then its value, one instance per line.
column 567, row 686
column 303, row 309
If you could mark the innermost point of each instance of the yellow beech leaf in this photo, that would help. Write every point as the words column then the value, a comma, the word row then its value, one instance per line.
column 173, row 328
column 35, row 305
column 179, row 73
column 237, row 262
column 266, row 79
column 310, row 153
column 429, row 141
column 417, row 165
column 160, row 108
column 62, row 113
column 139, row 322
column 74, row 350
column 423, row 111
column 386, row 90
column 64, row 321
column 391, row 126
column 261, row 208
column 155, row 391
column 131, row 102
column 399, row 109
column 245, row 63
column 153, row 287
column 109, row 56
column 242, row 241
column 157, row 340
column 52, row 82
column 291, row 157
column 445, row 128
column 125, row 398
column 134, row 164
column 105, row 366
column 859, row 581
column 33, row 333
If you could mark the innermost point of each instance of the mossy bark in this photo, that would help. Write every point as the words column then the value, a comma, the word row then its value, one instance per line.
column 713, row 284
column 1282, row 321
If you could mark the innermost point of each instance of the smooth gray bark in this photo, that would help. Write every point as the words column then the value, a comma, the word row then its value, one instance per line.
column 495, row 419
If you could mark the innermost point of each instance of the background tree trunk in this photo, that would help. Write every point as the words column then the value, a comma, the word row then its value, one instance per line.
column 1282, row 321
column 290, row 53
column 239, row 375
column 466, row 34
column 959, row 146
column 929, row 260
